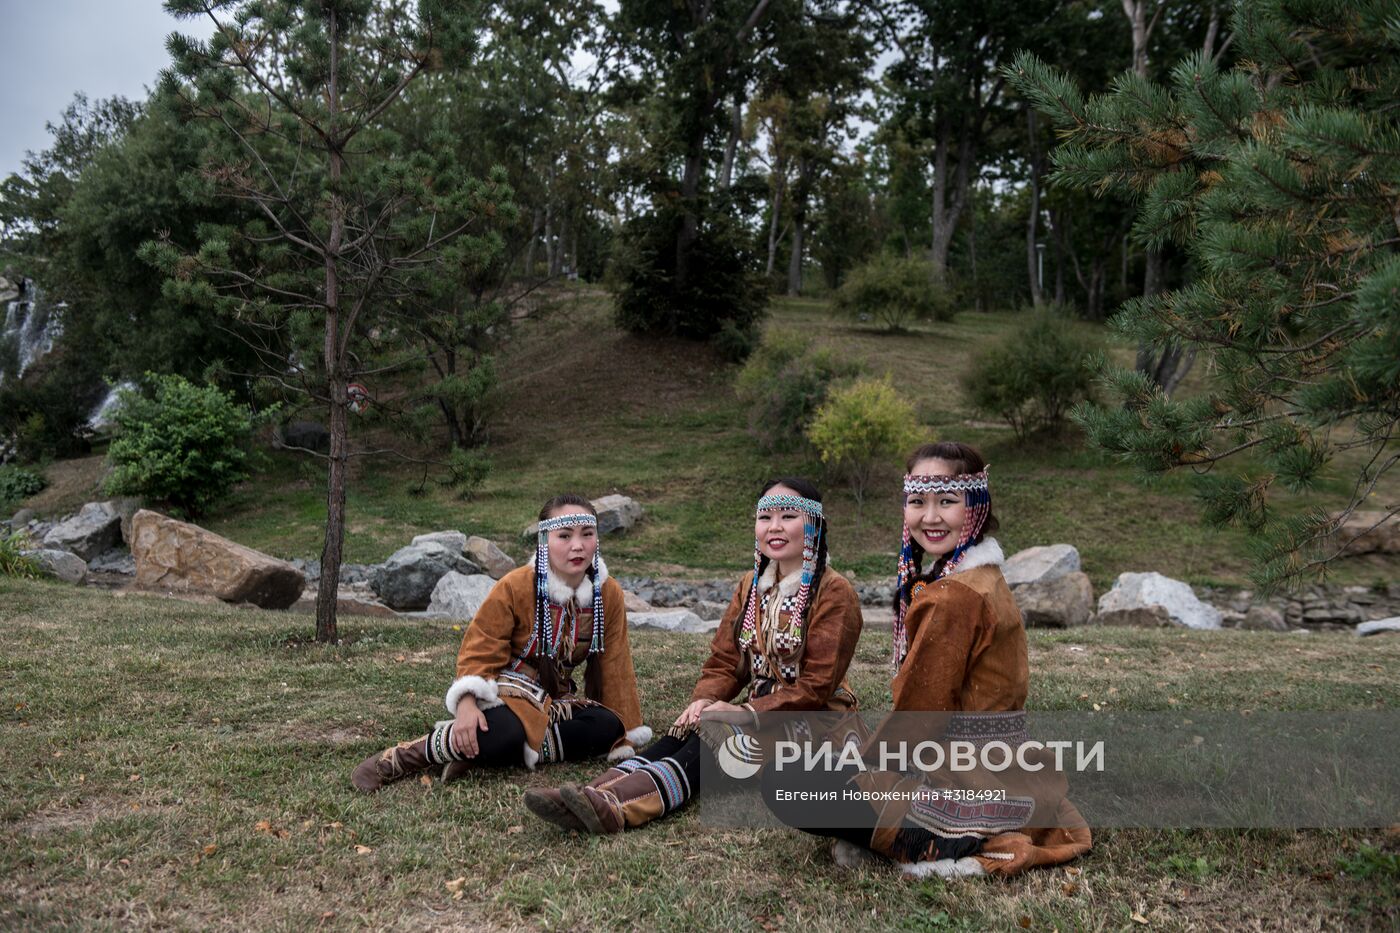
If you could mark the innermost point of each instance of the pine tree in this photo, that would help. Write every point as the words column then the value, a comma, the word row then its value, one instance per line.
column 1281, row 178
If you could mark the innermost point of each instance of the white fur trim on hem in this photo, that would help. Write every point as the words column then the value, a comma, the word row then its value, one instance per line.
column 622, row 752
column 560, row 592
column 980, row 555
column 639, row 736
column 531, row 757
column 484, row 690
column 967, row 867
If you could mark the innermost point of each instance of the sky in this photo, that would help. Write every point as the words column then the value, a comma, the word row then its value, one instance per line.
column 51, row 49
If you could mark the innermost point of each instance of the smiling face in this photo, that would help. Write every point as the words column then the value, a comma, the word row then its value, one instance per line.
column 779, row 531
column 571, row 548
column 935, row 519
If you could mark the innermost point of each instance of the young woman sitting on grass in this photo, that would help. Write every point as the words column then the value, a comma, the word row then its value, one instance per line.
column 788, row 636
column 513, row 700
column 959, row 647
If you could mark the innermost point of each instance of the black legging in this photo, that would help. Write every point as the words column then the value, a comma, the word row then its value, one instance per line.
column 684, row 752
column 590, row 732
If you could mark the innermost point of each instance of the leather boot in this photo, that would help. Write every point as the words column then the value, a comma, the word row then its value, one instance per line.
column 629, row 802
column 547, row 803
column 392, row 764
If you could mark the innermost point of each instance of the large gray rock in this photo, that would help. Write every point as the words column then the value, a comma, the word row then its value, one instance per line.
column 1060, row 602
column 495, row 561
column 635, row 603
column 1378, row 626
column 1041, row 564
column 1151, row 599
column 1370, row 531
column 405, row 581
column 452, row 540
column 671, row 620
column 459, row 596
column 1264, row 618
column 178, row 556
column 65, row 565
column 615, row 513
column 127, row 507
column 96, row 527
column 21, row 518
column 348, row 602
column 117, row 560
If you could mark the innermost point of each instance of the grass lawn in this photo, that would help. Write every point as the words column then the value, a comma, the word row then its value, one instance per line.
column 586, row 407
column 174, row 764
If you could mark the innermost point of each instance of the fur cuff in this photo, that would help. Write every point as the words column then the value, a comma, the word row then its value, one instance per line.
column 484, row 690
column 639, row 736
column 621, row 752
column 988, row 552
column 943, row 868
column 532, row 757
column 560, row 592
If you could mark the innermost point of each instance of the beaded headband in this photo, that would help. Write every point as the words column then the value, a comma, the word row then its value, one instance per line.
column 977, row 495
column 797, row 503
column 568, row 521
column 811, row 530
column 545, row 639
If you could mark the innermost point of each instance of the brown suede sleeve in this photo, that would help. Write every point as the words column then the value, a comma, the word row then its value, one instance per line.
column 833, row 628
column 619, row 680
column 719, row 677
column 947, row 623
column 486, row 646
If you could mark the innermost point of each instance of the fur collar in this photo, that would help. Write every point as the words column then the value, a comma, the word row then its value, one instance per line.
column 560, row 592
column 980, row 555
column 786, row 587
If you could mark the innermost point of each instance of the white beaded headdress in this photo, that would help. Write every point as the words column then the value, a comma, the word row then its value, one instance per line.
column 544, row 627
column 811, row 529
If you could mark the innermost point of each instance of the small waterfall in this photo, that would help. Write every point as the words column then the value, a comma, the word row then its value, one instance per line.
column 31, row 327
column 100, row 420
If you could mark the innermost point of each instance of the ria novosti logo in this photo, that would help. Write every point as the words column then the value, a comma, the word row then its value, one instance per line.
column 740, row 756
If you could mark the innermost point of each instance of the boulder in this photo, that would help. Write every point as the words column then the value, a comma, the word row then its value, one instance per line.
column 459, row 596
column 1060, row 602
column 65, row 565
column 312, row 435
column 348, row 602
column 1264, row 619
column 96, row 528
column 117, row 560
column 1146, row 598
column 495, row 561
column 21, row 518
column 405, row 581
column 615, row 513
column 634, row 603
column 175, row 555
column 1379, row 626
column 452, row 540
column 127, row 507
column 1373, row 532
column 671, row 620
column 707, row 609
column 1041, row 564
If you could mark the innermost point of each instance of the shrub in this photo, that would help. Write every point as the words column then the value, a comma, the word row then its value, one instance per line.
column 186, row 445
column 896, row 292
column 784, row 383
column 723, row 298
column 860, row 427
column 17, row 484
column 467, row 469
column 13, row 562
column 1034, row 376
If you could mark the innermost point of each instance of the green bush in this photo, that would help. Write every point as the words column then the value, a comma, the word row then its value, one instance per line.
column 895, row 292
column 784, row 383
column 467, row 469
column 1033, row 377
column 185, row 445
column 18, row 484
column 13, row 563
column 862, row 426
column 723, row 298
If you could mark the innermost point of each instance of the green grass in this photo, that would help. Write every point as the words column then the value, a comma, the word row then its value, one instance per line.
column 585, row 407
column 171, row 764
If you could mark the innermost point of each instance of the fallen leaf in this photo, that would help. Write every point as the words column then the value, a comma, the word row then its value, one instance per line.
column 1069, row 888
column 135, row 806
column 307, row 824
column 399, row 658
column 1074, row 872
column 283, row 833
column 1097, row 708
column 363, row 850
column 1137, row 917
column 124, row 862
column 210, row 849
column 425, row 780
column 58, row 754
column 512, row 830
column 328, row 915
column 1024, row 922
column 456, row 884
column 455, row 628
column 134, row 777
column 263, row 826
column 1083, row 696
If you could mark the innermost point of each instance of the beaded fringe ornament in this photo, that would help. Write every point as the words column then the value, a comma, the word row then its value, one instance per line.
column 812, row 509
column 545, row 637
column 978, row 498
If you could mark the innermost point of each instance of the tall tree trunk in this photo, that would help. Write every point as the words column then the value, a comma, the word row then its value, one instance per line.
column 328, row 589
column 794, row 277
column 972, row 257
column 535, row 227
column 551, row 245
column 773, row 229
column 1057, row 241
column 1033, row 262
column 731, row 146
